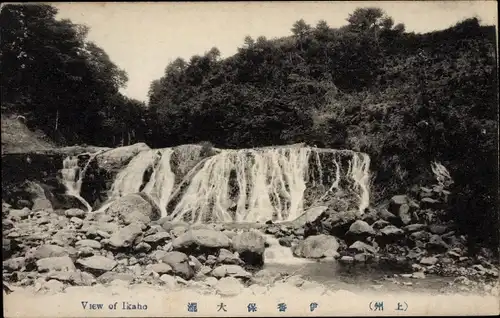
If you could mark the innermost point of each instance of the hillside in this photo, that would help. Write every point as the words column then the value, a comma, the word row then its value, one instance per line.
column 17, row 137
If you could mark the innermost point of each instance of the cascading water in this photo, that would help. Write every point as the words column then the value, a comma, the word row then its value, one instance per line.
column 162, row 180
column 276, row 253
column 73, row 176
column 160, row 183
column 246, row 185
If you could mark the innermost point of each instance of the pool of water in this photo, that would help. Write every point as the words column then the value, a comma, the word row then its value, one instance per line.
column 338, row 276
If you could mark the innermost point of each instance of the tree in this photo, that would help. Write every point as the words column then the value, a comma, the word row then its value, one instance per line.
column 50, row 73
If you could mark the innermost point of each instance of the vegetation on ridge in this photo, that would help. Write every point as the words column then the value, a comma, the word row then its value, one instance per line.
column 406, row 99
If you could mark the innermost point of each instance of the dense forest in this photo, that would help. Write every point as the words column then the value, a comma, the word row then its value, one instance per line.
column 406, row 99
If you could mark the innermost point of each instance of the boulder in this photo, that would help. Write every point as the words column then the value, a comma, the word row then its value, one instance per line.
column 396, row 202
column 161, row 268
column 404, row 213
column 361, row 247
column 14, row 264
column 414, row 227
column 360, row 228
column 377, row 225
column 169, row 281
column 88, row 243
column 428, row 260
column 58, row 263
column 317, row 246
column 227, row 257
column 331, row 222
column 179, row 263
column 228, row 286
column 19, row 214
column 75, row 278
column 201, row 239
column 126, row 236
column 437, row 244
column 134, row 207
column 391, row 231
column 108, row 277
column 48, row 250
column 250, row 245
column 116, row 158
column 157, row 238
column 97, row 264
column 388, row 216
column 79, row 213
column 38, row 196
column 230, row 270
column 346, row 259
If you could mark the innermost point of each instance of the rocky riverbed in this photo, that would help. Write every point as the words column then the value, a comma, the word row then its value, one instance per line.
column 54, row 251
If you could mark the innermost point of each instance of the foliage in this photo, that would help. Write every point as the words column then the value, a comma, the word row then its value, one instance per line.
column 62, row 83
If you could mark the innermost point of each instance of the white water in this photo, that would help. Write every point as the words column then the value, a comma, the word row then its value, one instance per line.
column 278, row 254
column 247, row 185
column 161, row 183
column 73, row 177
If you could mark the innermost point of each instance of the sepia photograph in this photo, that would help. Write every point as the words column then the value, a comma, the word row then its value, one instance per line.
column 237, row 159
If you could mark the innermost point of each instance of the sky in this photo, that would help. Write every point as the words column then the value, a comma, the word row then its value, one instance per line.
column 143, row 38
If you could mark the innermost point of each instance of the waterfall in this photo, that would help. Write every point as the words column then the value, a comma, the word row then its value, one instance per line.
column 245, row 185
column 160, row 183
column 130, row 179
column 270, row 185
column 73, row 176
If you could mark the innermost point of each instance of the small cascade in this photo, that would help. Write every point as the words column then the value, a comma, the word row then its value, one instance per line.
column 73, row 176
column 130, row 179
column 278, row 254
column 161, row 183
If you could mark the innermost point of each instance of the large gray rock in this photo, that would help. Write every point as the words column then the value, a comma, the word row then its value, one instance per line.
column 126, row 236
column 88, row 243
column 317, row 246
column 230, row 270
column 60, row 263
column 48, row 250
column 227, row 257
column 360, row 247
column 391, row 231
column 79, row 213
column 134, row 207
column 38, row 196
column 116, row 158
column 19, row 214
column 75, row 278
column 202, row 238
column 179, row 263
column 229, row 286
column 14, row 264
column 161, row 268
column 97, row 264
column 108, row 277
column 250, row 245
column 331, row 222
column 437, row 244
column 157, row 238
column 361, row 228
